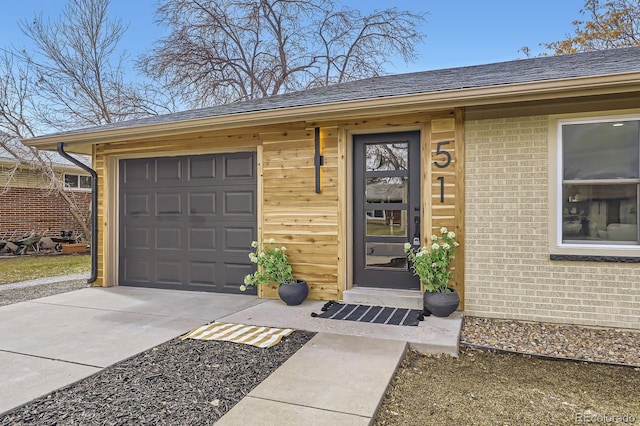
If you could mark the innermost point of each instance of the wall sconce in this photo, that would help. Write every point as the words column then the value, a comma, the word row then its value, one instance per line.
column 318, row 159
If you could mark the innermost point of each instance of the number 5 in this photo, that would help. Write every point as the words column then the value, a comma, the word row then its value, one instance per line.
column 439, row 151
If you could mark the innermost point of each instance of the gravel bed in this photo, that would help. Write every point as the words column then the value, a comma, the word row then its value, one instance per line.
column 606, row 345
column 13, row 294
column 189, row 382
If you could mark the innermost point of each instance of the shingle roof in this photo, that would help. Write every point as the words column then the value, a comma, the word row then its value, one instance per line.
column 537, row 69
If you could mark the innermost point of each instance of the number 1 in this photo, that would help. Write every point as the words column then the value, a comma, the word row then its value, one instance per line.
column 441, row 179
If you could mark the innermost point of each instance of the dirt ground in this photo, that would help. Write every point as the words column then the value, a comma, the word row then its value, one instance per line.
column 488, row 388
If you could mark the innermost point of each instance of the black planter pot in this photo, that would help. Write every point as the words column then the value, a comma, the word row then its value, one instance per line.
column 293, row 294
column 440, row 304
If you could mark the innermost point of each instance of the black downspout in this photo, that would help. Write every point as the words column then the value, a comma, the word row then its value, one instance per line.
column 94, row 211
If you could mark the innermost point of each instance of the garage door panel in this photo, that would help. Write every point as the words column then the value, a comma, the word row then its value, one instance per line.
column 240, row 203
column 136, row 237
column 239, row 166
column 137, row 270
column 136, row 205
column 202, row 167
column 187, row 221
column 137, row 172
column 169, row 203
column 169, row 170
column 202, row 203
column 169, row 272
column 234, row 274
column 237, row 239
column 202, row 273
column 169, row 238
column 202, row 238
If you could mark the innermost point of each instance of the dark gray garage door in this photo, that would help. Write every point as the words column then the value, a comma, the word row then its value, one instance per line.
column 187, row 222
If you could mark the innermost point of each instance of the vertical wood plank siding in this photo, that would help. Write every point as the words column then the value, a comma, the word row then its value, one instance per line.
column 99, row 165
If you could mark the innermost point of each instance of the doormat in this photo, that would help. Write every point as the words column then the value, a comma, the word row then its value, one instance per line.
column 372, row 314
column 262, row 337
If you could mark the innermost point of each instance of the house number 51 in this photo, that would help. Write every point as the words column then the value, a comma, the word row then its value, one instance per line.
column 441, row 164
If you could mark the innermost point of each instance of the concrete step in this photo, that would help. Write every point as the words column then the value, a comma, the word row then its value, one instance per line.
column 411, row 299
column 433, row 335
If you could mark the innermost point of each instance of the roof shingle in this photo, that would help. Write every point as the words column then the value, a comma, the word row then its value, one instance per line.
column 604, row 62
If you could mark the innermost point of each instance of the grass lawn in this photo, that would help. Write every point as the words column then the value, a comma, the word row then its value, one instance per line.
column 21, row 268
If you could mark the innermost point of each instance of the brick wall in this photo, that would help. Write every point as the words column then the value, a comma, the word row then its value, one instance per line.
column 27, row 209
column 508, row 273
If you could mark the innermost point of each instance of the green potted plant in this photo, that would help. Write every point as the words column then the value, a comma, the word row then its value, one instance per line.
column 432, row 265
column 274, row 268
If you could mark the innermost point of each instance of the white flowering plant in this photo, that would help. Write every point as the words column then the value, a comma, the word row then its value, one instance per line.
column 273, row 265
column 432, row 264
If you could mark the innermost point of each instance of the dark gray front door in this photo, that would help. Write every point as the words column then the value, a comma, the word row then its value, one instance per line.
column 187, row 222
column 386, row 184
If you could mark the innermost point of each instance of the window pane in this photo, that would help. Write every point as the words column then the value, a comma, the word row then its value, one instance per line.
column 387, row 222
column 601, row 150
column 71, row 181
column 386, row 190
column 387, row 156
column 599, row 213
column 386, row 255
column 85, row 182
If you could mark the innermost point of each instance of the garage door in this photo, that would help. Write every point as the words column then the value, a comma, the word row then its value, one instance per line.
column 187, row 222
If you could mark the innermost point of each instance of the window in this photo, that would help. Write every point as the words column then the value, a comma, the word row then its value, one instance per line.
column 599, row 174
column 77, row 181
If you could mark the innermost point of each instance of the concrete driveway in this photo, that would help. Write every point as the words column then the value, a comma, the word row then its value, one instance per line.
column 48, row 343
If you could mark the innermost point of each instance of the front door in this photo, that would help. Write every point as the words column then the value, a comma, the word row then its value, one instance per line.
column 386, row 185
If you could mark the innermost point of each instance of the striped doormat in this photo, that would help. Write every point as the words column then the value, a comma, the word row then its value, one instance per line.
column 372, row 314
column 262, row 337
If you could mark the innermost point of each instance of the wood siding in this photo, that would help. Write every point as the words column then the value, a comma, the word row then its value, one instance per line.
column 315, row 228
column 294, row 215
column 446, row 165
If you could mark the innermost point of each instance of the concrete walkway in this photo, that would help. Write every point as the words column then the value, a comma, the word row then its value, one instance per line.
column 339, row 377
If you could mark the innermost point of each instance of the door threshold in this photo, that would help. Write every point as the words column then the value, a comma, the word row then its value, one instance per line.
column 410, row 299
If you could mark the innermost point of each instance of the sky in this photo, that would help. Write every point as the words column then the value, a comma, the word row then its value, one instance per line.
column 458, row 33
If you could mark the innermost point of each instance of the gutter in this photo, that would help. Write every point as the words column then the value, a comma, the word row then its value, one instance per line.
column 94, row 210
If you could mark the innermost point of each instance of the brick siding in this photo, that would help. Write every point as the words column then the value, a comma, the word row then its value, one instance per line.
column 508, row 273
column 29, row 209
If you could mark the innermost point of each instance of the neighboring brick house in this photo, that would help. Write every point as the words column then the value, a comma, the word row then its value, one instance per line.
column 534, row 163
column 27, row 204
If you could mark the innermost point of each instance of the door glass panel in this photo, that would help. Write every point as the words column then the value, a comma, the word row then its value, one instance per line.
column 386, row 190
column 386, row 255
column 386, row 156
column 391, row 223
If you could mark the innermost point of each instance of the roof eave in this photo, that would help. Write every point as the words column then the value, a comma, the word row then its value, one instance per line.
column 489, row 95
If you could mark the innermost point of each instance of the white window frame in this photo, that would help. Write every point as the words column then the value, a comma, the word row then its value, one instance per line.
column 75, row 188
column 556, row 245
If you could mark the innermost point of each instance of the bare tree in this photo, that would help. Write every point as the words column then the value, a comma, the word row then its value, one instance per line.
column 74, row 77
column 15, row 124
column 220, row 51
column 78, row 71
